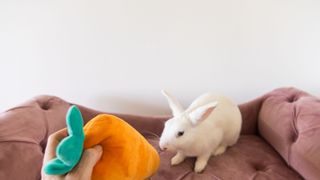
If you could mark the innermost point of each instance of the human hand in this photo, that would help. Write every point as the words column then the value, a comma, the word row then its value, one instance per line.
column 83, row 170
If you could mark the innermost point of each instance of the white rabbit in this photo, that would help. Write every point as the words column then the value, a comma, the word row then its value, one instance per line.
column 209, row 125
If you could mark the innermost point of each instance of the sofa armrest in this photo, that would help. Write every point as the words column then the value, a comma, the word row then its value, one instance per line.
column 23, row 135
column 289, row 120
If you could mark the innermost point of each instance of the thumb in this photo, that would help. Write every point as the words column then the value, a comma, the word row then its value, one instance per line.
column 88, row 160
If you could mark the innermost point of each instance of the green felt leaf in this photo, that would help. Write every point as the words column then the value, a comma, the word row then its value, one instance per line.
column 69, row 150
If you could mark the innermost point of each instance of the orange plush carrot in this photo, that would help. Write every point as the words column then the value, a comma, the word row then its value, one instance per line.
column 126, row 153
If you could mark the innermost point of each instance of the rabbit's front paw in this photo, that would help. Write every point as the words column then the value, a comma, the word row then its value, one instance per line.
column 177, row 159
column 201, row 163
column 199, row 167
column 219, row 150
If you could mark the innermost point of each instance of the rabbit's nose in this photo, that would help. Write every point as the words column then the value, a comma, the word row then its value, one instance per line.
column 163, row 148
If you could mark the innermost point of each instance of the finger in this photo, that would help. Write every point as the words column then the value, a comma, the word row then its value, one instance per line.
column 51, row 177
column 50, row 152
column 53, row 141
column 88, row 160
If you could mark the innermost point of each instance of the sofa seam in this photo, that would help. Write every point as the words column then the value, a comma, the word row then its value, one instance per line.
column 47, row 130
column 295, row 130
column 19, row 141
column 46, row 135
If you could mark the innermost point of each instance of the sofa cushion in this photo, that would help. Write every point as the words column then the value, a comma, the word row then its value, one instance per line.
column 250, row 158
column 290, row 121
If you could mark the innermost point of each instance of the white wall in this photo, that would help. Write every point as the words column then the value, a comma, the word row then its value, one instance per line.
column 117, row 55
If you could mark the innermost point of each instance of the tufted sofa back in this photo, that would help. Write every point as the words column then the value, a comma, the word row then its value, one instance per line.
column 289, row 120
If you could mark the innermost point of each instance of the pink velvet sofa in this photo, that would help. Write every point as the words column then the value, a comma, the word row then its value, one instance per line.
column 280, row 139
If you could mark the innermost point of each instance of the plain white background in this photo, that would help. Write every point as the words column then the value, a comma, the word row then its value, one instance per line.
column 117, row 55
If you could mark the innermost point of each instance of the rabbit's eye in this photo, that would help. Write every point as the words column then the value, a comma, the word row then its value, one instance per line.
column 180, row 133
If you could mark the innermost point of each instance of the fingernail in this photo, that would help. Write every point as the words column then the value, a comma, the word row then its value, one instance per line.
column 98, row 148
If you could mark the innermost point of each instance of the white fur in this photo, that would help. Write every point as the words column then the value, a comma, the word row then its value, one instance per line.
column 210, row 124
column 174, row 104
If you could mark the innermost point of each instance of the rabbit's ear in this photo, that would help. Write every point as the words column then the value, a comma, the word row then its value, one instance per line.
column 174, row 104
column 74, row 121
column 201, row 113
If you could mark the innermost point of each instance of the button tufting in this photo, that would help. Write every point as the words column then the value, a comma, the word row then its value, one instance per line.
column 294, row 137
column 258, row 167
column 45, row 105
column 292, row 99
